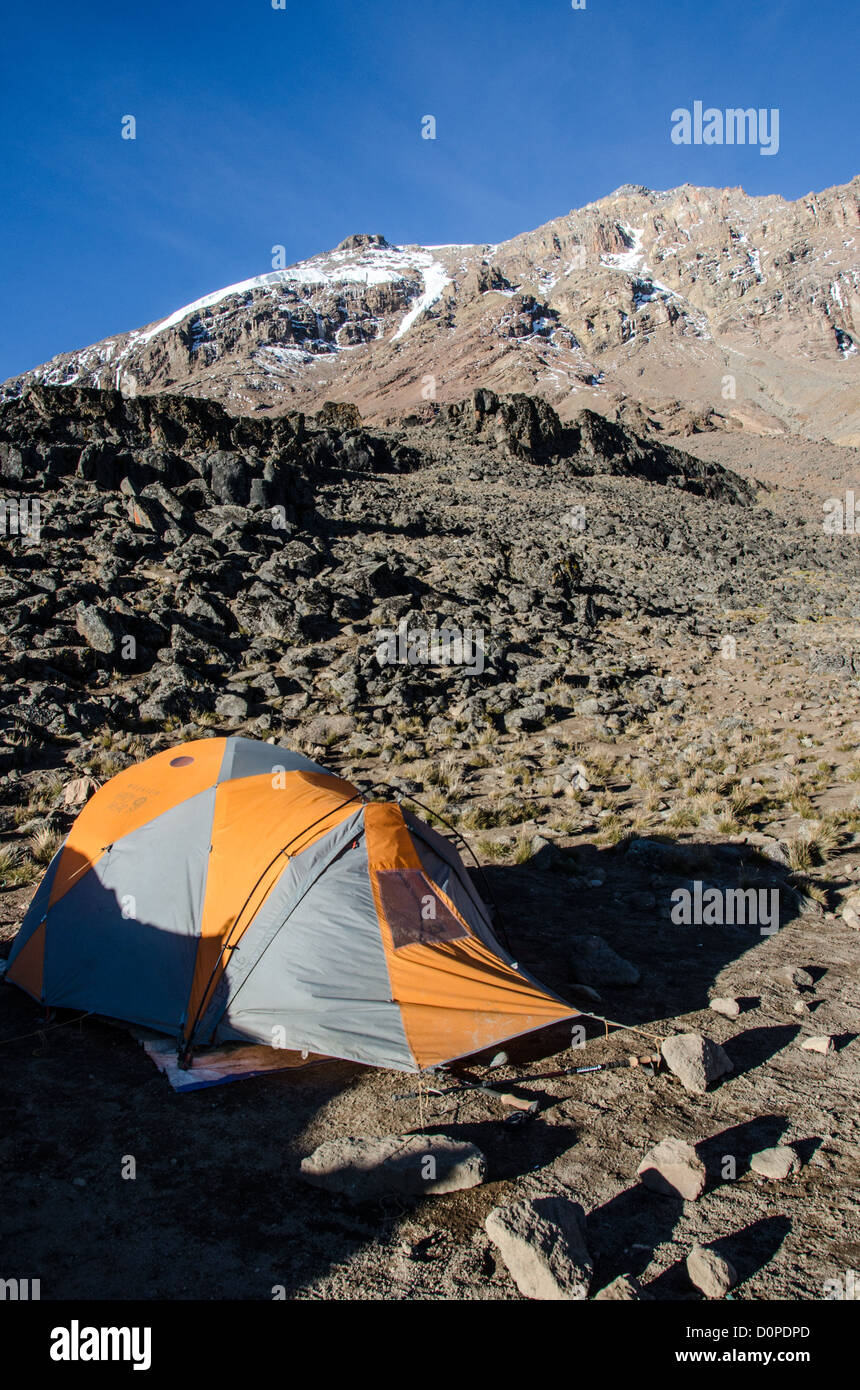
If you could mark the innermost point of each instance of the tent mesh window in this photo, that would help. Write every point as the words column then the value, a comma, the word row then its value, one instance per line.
column 414, row 911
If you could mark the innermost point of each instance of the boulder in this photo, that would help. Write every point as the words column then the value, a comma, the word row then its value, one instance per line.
column 674, row 1169
column 395, row 1165
column 795, row 977
column 710, row 1273
column 542, row 1242
column 695, row 1060
column 97, row 628
column 595, row 963
column 624, row 1289
column 728, row 1008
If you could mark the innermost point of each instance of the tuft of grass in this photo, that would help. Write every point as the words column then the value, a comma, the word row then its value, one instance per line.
column 803, row 805
column 107, row 762
column 16, row 871
column 800, row 855
column 816, row 892
column 478, row 817
column 44, row 844
column 492, row 849
column 742, row 802
column 9, row 856
column 815, row 844
column 521, row 851
column 612, row 830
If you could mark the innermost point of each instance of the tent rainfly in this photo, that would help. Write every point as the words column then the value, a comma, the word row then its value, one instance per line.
column 228, row 889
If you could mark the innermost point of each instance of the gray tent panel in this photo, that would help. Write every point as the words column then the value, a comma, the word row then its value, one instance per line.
column 245, row 757
column 323, row 980
column 104, row 951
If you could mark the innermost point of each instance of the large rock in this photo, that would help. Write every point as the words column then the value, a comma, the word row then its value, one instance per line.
column 410, row 1165
column 695, row 1060
column 229, row 477
column 710, row 1273
column 542, row 1242
column 794, row 976
column 674, row 1169
column 595, row 963
column 97, row 628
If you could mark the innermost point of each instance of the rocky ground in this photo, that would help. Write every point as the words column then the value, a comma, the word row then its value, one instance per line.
column 665, row 691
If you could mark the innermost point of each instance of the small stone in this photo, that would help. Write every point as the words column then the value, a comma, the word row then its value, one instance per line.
column 596, row 964
column 624, row 1289
column 395, row 1165
column 674, row 1169
column 542, row 1242
column 793, row 975
column 586, row 992
column 824, row 1043
column 729, row 1008
column 776, row 1163
column 850, row 917
column 695, row 1060
column 710, row 1273
column 233, row 706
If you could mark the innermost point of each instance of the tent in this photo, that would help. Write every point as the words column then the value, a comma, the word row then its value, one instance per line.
column 229, row 889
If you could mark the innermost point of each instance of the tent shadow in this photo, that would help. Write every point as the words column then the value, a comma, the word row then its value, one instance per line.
column 626, row 898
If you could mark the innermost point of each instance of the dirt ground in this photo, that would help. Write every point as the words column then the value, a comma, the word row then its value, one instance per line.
column 217, row 1210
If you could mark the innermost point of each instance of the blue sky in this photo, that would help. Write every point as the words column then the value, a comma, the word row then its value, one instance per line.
column 298, row 126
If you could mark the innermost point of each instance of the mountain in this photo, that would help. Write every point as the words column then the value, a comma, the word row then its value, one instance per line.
column 701, row 306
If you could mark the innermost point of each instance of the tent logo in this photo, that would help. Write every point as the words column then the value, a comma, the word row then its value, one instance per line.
column 720, row 907
column 447, row 646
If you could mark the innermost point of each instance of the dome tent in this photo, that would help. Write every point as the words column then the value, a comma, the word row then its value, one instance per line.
column 228, row 890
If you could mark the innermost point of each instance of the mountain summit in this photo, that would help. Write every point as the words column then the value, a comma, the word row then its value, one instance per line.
column 690, row 300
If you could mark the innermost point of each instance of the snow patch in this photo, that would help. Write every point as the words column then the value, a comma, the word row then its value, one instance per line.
column 370, row 265
column 436, row 280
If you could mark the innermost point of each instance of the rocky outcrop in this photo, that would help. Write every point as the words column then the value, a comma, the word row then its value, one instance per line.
column 189, row 564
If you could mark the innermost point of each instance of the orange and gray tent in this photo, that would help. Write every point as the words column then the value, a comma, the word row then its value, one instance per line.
column 229, row 890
